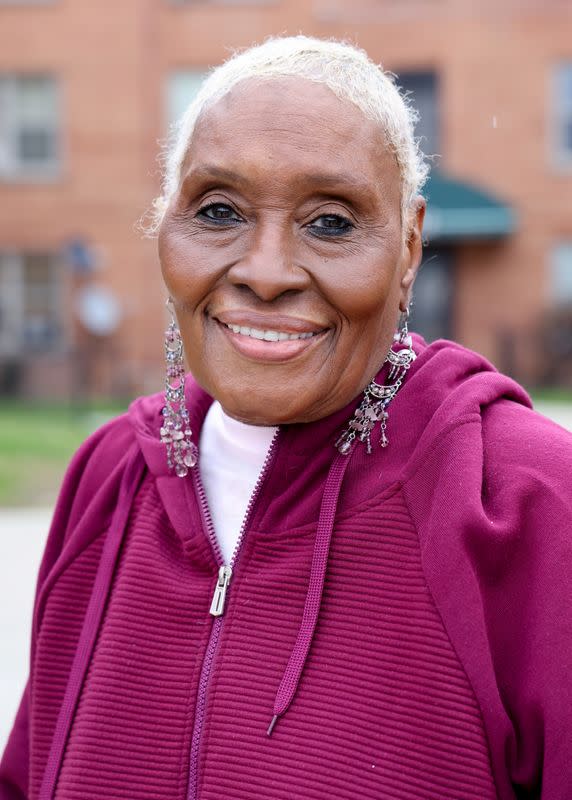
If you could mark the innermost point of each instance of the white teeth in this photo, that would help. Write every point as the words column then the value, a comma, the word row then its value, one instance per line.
column 269, row 335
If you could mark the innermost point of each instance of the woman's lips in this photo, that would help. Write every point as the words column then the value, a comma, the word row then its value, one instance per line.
column 271, row 343
column 243, row 318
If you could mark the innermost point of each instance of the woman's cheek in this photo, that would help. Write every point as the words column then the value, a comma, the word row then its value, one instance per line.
column 363, row 293
column 205, row 258
column 186, row 270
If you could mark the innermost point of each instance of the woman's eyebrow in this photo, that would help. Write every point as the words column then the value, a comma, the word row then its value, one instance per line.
column 214, row 172
column 335, row 179
column 321, row 179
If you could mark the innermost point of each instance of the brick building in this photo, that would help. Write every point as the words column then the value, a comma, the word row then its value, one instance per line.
column 87, row 91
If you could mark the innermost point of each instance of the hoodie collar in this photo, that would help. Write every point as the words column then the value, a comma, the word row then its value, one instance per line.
column 146, row 418
column 445, row 382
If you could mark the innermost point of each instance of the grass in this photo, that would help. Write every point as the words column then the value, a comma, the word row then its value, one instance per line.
column 556, row 394
column 36, row 444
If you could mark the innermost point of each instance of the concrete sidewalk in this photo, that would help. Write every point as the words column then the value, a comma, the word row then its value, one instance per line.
column 558, row 412
column 22, row 536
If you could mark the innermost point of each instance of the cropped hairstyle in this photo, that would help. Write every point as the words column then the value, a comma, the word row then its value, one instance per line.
column 345, row 69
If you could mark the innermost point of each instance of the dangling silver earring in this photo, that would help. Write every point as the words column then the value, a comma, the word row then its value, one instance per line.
column 176, row 431
column 403, row 336
column 376, row 398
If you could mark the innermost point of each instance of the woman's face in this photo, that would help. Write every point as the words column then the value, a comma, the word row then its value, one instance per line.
column 284, row 253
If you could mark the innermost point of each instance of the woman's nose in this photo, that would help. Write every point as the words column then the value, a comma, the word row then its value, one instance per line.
column 268, row 267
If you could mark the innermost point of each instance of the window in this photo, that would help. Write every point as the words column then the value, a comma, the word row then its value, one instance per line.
column 562, row 113
column 31, row 303
column 29, row 126
column 423, row 87
column 182, row 88
column 561, row 275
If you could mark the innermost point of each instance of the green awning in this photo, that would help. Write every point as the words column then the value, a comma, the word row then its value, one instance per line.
column 457, row 211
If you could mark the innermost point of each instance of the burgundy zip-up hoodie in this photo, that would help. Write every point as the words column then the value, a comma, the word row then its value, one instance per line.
column 396, row 625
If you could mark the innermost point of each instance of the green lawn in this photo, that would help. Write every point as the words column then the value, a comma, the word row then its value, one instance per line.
column 556, row 394
column 36, row 444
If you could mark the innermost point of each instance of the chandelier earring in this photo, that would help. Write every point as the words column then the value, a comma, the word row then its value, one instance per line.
column 182, row 453
column 377, row 397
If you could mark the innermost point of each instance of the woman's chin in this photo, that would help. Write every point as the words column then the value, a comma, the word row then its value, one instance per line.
column 266, row 415
column 269, row 383
column 265, row 407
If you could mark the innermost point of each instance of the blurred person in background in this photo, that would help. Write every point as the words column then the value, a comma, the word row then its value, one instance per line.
column 336, row 561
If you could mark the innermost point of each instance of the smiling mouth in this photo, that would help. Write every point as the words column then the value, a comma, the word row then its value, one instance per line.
column 269, row 335
column 270, row 345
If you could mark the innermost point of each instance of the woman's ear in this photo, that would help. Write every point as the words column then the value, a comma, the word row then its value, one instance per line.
column 413, row 249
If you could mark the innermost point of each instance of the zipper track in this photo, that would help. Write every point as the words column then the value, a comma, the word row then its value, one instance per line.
column 210, row 652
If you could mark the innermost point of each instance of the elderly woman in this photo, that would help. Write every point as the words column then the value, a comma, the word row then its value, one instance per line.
column 334, row 563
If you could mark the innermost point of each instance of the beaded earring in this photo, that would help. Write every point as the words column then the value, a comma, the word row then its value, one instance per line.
column 182, row 453
column 377, row 397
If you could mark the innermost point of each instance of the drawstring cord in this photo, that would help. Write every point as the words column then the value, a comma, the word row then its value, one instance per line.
column 94, row 614
column 293, row 671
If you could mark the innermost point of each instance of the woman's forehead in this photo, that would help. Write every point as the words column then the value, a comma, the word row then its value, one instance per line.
column 291, row 123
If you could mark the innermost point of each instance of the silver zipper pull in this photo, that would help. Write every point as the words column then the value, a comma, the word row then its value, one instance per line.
column 217, row 605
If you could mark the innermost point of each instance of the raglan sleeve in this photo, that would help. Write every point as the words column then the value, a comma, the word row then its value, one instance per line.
column 86, row 472
column 527, row 600
column 14, row 765
column 492, row 504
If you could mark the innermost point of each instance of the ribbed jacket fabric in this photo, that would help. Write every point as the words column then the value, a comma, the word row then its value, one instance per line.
column 439, row 663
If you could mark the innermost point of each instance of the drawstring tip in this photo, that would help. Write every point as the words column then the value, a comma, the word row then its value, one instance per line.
column 272, row 724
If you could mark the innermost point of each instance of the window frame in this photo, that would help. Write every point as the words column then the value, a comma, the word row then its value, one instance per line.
column 560, row 114
column 12, row 168
column 176, row 74
column 14, row 342
column 430, row 76
column 556, row 296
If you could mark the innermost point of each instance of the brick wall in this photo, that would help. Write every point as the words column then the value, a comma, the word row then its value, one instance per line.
column 494, row 67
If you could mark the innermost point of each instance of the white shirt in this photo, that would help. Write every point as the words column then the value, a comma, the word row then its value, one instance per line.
column 232, row 455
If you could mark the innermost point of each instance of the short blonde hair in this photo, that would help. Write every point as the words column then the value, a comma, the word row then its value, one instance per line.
column 348, row 72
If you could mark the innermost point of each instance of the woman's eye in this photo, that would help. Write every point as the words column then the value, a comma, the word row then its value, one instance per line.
column 331, row 225
column 219, row 212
